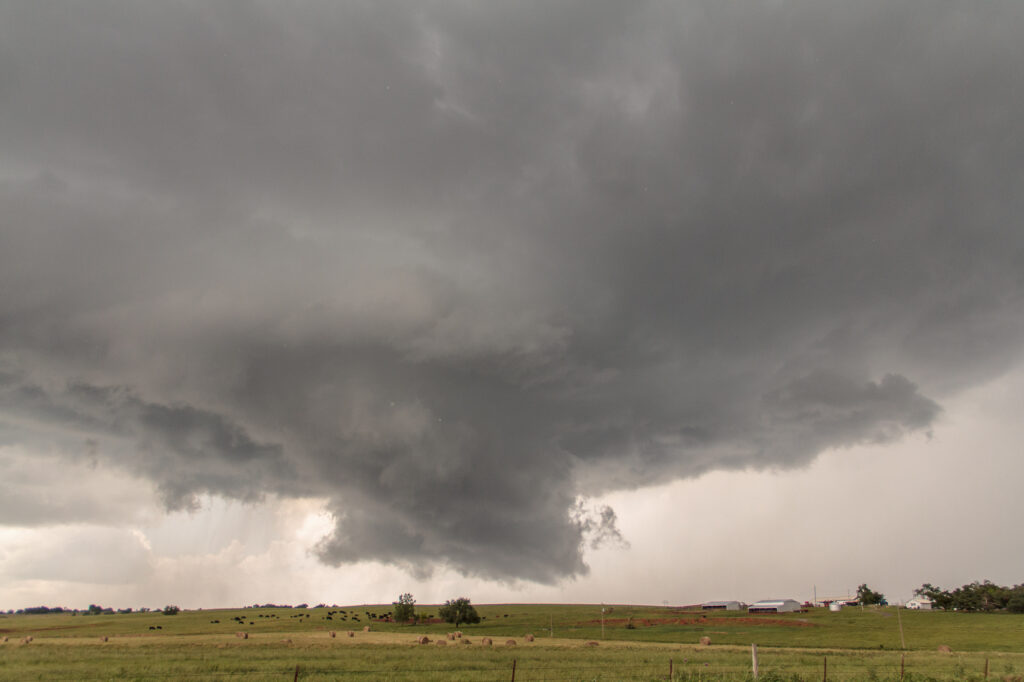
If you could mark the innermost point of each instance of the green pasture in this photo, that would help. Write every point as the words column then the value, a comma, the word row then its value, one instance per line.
column 639, row 643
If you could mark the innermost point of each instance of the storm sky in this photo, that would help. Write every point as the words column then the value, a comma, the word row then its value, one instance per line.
column 467, row 273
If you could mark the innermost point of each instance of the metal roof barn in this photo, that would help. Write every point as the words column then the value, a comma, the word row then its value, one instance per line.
column 775, row 606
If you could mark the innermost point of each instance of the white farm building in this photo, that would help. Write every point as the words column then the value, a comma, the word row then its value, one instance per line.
column 920, row 604
column 775, row 606
column 720, row 606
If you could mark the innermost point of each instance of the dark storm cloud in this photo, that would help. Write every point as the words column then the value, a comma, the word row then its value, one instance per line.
column 458, row 266
column 185, row 449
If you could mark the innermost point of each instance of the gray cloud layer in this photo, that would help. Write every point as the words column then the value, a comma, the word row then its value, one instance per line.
column 455, row 266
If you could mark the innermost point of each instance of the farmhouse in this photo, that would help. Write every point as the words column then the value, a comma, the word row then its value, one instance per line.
column 775, row 606
column 720, row 606
column 920, row 604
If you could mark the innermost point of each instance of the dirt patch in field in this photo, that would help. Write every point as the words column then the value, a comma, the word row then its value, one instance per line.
column 717, row 622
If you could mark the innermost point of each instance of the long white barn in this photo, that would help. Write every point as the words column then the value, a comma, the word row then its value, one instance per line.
column 775, row 606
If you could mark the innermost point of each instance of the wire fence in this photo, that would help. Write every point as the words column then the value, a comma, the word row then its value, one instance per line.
column 192, row 661
column 669, row 669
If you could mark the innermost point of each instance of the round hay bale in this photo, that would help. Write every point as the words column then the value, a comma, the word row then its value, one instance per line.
column 286, row 641
column 944, row 649
column 458, row 634
column 242, row 635
column 450, row 635
column 441, row 642
column 333, row 634
column 466, row 641
column 510, row 642
column 26, row 640
column 705, row 641
column 486, row 641
column 528, row 638
column 591, row 643
column 4, row 640
column 366, row 628
column 423, row 640
column 351, row 634
column 104, row 638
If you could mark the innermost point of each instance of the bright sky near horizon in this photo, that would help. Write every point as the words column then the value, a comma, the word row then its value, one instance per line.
column 554, row 301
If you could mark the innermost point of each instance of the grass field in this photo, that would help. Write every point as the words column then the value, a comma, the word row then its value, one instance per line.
column 854, row 644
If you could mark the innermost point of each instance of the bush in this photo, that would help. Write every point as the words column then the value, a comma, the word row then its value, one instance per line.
column 170, row 610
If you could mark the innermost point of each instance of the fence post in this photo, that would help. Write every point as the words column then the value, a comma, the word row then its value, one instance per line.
column 513, row 670
column 824, row 670
column 986, row 668
column 295, row 679
column 753, row 657
column 902, row 657
column 672, row 675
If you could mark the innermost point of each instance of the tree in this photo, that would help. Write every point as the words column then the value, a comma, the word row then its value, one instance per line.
column 457, row 611
column 940, row 598
column 867, row 596
column 170, row 610
column 405, row 609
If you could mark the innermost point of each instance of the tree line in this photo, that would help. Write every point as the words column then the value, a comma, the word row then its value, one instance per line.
column 454, row 611
column 976, row 596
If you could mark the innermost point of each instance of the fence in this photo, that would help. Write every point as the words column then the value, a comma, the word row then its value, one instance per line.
column 673, row 670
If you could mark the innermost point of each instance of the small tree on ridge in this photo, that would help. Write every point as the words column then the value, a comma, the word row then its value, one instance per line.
column 404, row 609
